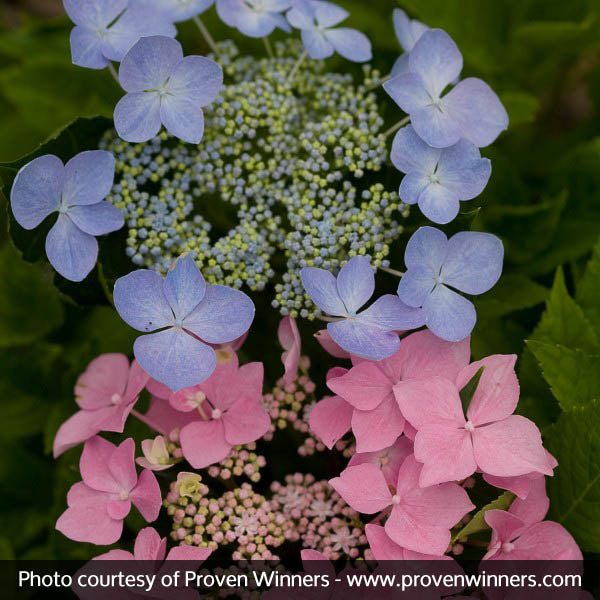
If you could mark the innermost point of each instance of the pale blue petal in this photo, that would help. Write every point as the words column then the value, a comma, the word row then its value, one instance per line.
column 437, row 59
column 328, row 14
column 137, row 116
column 477, row 110
column 400, row 66
column 184, row 286
column 408, row 92
column 175, row 358
column 301, row 16
column 223, row 315
column 176, row 10
column 227, row 11
column 97, row 219
column 70, row 251
column 149, row 63
column 407, row 31
column 36, row 190
column 94, row 13
column 356, row 283
column 435, row 126
column 89, row 177
column 141, row 302
column 448, row 315
column 350, row 43
column 439, row 203
column 321, row 286
column 426, row 248
column 198, row 78
column 86, row 48
column 412, row 186
column 183, row 118
column 316, row 44
column 474, row 262
column 276, row 5
column 462, row 170
column 363, row 340
column 416, row 285
column 281, row 22
column 411, row 153
column 390, row 313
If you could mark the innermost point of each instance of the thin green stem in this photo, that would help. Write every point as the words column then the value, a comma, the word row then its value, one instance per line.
column 104, row 284
column 379, row 83
column 114, row 73
column 268, row 47
column 206, row 35
column 397, row 126
column 295, row 68
column 391, row 271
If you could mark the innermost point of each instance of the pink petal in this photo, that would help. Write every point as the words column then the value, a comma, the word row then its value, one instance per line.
column 335, row 372
column 104, row 376
column 136, row 382
column 378, row 428
column 535, row 507
column 94, row 465
column 289, row 338
column 510, row 447
column 149, row 545
column 519, row 485
column 312, row 555
column 80, row 494
column 433, row 400
column 189, row 553
column 80, row 427
column 382, row 547
column 329, row 345
column 165, row 418
column 497, row 394
column 158, row 389
column 122, row 465
column 115, row 555
column 330, row 419
column 546, row 541
column 323, row 567
column 409, row 431
column 363, row 487
column 146, row 496
column 118, row 509
column 446, row 453
column 388, row 459
column 203, row 443
column 89, row 524
column 505, row 527
column 246, row 421
column 363, row 386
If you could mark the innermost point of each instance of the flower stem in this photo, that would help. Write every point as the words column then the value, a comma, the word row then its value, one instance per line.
column 104, row 284
column 397, row 126
column 268, row 47
column 295, row 68
column 114, row 73
column 379, row 83
column 149, row 422
column 384, row 513
column 391, row 271
column 206, row 35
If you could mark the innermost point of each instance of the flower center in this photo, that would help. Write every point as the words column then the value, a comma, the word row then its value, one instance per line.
column 217, row 413
column 469, row 426
column 395, row 499
column 196, row 400
column 124, row 495
column 116, row 398
column 508, row 547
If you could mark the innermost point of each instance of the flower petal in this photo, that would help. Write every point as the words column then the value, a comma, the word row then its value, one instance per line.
column 411, row 153
column 387, row 459
column 141, row 302
column 184, row 287
column 86, row 48
column 364, row 386
column 289, row 338
column 94, row 13
column 363, row 339
column 435, row 126
column 363, row 487
column 355, row 283
column 378, row 428
column 78, row 428
column 439, row 203
column 535, row 507
column 94, row 465
column 321, row 286
column 246, row 421
column 91, row 524
column 427, row 247
column 122, row 465
column 146, row 496
column 316, row 44
column 183, row 118
column 203, row 443
column 408, row 31
column 328, row 14
column 88, row 178
column 546, row 541
column 330, row 419
column 70, row 251
column 104, row 376
column 473, row 262
column 137, row 116
column 462, row 170
column 149, row 545
column 97, row 219
column 449, row 315
column 408, row 91
column 416, row 285
column 175, row 358
column 197, row 78
column 350, row 43
column 390, row 313
column 223, row 315
column 36, row 191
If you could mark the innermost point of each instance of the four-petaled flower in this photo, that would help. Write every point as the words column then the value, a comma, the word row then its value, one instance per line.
column 176, row 10
column 189, row 314
column 471, row 110
column 76, row 191
column 316, row 20
column 370, row 333
column 469, row 261
column 437, row 179
column 164, row 88
column 106, row 29
column 408, row 31
column 254, row 18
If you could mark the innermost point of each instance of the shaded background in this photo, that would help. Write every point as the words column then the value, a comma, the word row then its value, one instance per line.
column 543, row 200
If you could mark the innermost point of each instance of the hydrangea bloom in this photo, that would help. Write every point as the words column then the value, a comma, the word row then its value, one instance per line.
column 316, row 19
column 176, row 10
column 469, row 261
column 438, row 179
column 254, row 18
column 289, row 338
column 156, row 455
column 471, row 110
column 370, row 333
column 368, row 390
column 189, row 314
column 420, row 518
column 99, row 503
column 106, row 29
column 106, row 393
column 491, row 438
column 76, row 191
column 408, row 31
column 387, row 460
column 164, row 88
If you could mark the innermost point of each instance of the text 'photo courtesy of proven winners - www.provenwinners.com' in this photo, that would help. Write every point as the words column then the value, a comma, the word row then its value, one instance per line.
column 302, row 287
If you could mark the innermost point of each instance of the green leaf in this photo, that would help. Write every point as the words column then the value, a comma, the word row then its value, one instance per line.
column 467, row 393
column 30, row 306
column 588, row 292
column 573, row 375
column 477, row 523
column 574, row 490
column 521, row 107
